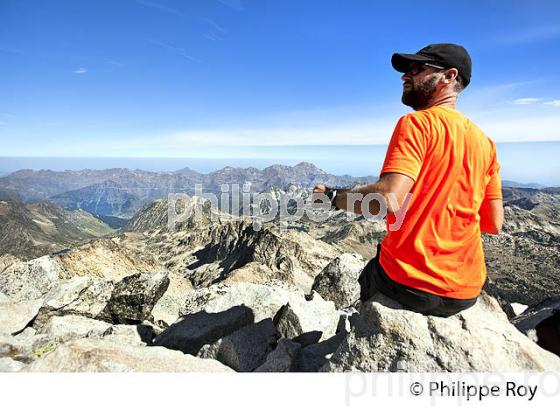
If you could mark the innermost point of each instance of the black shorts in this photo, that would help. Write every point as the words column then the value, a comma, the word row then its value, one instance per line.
column 374, row 279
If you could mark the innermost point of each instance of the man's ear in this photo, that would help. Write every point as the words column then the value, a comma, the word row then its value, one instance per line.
column 450, row 75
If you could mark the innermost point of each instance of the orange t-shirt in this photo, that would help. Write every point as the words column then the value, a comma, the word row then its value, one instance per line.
column 438, row 248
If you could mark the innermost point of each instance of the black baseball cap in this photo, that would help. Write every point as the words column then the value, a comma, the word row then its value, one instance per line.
column 445, row 54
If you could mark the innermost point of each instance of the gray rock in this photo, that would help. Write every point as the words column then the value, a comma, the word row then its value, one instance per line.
column 193, row 331
column 387, row 337
column 134, row 297
column 338, row 281
column 90, row 355
column 245, row 349
column 75, row 296
column 8, row 365
column 65, row 328
column 24, row 281
column 287, row 322
column 282, row 359
column 265, row 301
column 15, row 316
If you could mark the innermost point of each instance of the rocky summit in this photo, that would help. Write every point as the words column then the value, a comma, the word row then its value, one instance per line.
column 221, row 293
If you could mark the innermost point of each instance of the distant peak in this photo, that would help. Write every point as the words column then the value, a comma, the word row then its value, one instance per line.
column 308, row 166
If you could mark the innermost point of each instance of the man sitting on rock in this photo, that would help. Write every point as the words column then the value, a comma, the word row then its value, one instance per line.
column 441, row 188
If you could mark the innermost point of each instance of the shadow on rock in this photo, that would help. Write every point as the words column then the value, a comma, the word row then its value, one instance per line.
column 193, row 331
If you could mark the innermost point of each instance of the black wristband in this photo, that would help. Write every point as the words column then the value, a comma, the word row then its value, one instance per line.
column 331, row 194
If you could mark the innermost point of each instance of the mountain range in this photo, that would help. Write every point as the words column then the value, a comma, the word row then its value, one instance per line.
column 122, row 192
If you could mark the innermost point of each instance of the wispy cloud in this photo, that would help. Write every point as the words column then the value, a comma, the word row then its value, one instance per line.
column 526, row 101
column 530, row 35
column 214, row 25
column 534, row 101
column 114, row 63
column 161, row 7
column 80, row 70
column 216, row 32
column 212, row 36
column 234, row 4
column 176, row 50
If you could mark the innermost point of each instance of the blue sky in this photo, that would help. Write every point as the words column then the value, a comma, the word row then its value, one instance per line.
column 203, row 78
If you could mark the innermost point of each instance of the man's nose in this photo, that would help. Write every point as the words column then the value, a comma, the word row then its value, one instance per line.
column 405, row 76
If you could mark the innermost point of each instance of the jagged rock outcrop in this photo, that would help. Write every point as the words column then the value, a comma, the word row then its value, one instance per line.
column 209, row 246
column 338, row 281
column 313, row 312
column 387, row 338
column 88, row 355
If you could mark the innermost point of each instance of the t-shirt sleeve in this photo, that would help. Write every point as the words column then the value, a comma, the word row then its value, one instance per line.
column 407, row 148
column 494, row 187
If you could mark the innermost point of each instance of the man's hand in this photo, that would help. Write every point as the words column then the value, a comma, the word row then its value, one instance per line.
column 319, row 197
column 320, row 188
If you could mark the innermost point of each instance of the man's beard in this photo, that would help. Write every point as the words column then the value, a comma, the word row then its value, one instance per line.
column 419, row 96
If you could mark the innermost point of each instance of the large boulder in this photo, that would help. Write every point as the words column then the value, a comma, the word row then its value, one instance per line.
column 192, row 331
column 76, row 296
column 245, row 349
column 386, row 337
column 90, row 355
column 167, row 308
column 23, row 281
column 134, row 297
column 16, row 316
column 313, row 312
column 338, row 281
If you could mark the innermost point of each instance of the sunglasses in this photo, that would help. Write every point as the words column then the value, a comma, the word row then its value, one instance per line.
column 417, row 68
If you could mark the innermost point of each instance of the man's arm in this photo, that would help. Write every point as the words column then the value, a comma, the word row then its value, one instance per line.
column 391, row 188
column 491, row 216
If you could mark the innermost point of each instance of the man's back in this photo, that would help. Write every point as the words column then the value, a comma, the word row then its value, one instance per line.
column 438, row 248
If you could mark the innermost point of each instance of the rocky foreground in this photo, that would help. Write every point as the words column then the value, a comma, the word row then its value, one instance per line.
column 50, row 322
column 219, row 293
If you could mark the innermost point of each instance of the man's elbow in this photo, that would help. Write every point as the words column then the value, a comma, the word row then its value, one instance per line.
column 495, row 227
